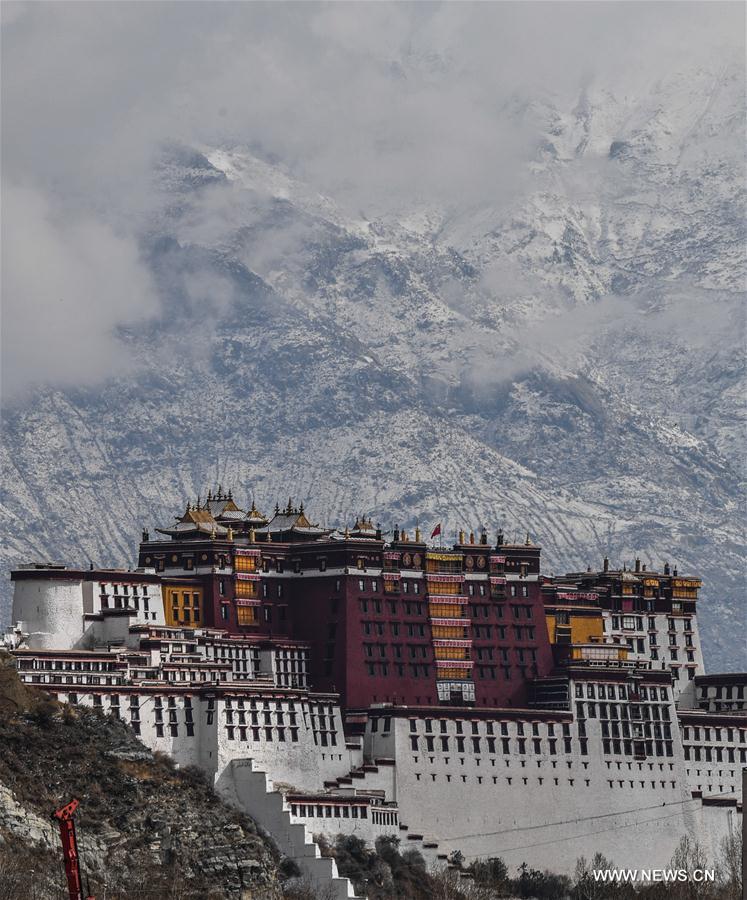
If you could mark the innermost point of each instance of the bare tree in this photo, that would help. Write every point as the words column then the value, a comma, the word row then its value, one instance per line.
column 586, row 887
column 689, row 856
column 450, row 884
column 730, row 865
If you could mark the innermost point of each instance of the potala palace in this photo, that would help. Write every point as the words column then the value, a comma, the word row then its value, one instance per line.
column 360, row 682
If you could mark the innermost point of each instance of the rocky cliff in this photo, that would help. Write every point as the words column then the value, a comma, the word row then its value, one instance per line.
column 145, row 831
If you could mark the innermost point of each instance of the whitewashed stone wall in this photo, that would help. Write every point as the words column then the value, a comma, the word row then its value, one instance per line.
column 545, row 809
column 332, row 815
column 655, row 644
column 202, row 738
column 714, row 755
column 475, row 794
column 50, row 612
column 53, row 612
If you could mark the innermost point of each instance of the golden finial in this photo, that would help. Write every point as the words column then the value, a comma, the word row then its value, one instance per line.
column 229, row 533
column 472, row 537
column 252, row 535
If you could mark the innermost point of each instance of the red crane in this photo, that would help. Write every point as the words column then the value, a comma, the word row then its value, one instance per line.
column 70, row 850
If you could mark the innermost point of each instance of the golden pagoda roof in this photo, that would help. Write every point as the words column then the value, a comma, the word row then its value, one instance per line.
column 195, row 519
column 255, row 517
column 292, row 519
column 363, row 526
column 198, row 515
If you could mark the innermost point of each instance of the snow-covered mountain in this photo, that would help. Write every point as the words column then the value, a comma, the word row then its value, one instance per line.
column 569, row 363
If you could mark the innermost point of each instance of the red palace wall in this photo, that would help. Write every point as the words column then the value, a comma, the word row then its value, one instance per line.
column 348, row 628
column 377, row 646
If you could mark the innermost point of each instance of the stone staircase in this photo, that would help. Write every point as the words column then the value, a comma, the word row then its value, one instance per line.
column 373, row 778
column 378, row 777
column 249, row 788
column 256, row 794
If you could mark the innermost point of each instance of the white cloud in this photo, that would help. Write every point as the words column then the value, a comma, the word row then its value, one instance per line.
column 66, row 288
column 380, row 105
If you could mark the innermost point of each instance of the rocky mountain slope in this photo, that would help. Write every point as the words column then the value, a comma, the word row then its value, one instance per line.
column 568, row 363
column 144, row 830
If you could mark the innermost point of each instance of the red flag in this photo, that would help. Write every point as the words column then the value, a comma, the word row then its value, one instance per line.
column 436, row 531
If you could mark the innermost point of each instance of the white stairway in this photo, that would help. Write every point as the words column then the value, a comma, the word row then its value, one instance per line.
column 253, row 792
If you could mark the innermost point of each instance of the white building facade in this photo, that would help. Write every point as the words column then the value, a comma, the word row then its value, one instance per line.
column 612, row 756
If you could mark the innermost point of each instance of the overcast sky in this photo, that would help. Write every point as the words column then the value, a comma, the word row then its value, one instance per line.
column 374, row 104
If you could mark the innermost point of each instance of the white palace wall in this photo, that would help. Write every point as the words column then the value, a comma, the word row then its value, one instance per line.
column 620, row 772
column 668, row 641
column 331, row 816
column 318, row 754
column 194, row 730
column 51, row 612
column 546, row 809
column 547, row 805
column 69, row 612
column 714, row 754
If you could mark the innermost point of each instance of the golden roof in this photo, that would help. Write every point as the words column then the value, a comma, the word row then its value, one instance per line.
column 198, row 516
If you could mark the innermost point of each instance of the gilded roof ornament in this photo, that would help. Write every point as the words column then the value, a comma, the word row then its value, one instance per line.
column 254, row 513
